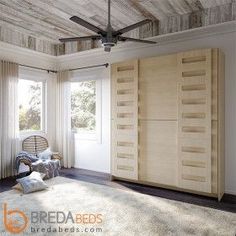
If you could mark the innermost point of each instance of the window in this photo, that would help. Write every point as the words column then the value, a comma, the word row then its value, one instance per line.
column 84, row 106
column 31, row 105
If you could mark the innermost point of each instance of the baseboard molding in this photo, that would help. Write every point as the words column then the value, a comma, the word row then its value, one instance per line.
column 231, row 192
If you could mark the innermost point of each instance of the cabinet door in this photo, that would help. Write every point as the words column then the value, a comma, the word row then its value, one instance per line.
column 125, row 119
column 158, row 152
column 158, row 88
column 158, row 103
column 194, row 120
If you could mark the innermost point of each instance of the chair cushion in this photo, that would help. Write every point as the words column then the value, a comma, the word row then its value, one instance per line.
column 32, row 183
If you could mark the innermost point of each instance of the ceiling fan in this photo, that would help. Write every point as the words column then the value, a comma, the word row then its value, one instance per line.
column 108, row 37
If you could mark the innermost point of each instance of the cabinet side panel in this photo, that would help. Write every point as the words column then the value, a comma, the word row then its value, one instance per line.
column 221, row 126
column 214, row 131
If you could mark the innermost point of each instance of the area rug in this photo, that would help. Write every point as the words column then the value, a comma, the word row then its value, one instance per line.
column 92, row 209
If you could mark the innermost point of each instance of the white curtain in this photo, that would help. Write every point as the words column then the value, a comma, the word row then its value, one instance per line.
column 64, row 138
column 9, row 125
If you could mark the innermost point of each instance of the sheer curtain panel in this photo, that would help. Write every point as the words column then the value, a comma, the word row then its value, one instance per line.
column 9, row 127
column 64, row 136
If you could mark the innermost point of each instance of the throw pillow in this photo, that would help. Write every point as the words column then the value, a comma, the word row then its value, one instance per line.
column 18, row 186
column 45, row 155
column 32, row 183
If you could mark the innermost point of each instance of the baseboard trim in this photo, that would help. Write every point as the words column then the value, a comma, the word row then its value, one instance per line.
column 231, row 192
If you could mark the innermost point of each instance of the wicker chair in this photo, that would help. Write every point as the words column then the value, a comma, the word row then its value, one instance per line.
column 34, row 145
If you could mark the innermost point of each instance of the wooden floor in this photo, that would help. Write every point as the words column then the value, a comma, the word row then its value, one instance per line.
column 228, row 202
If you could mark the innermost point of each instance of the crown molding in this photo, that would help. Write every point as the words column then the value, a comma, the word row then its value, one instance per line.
column 26, row 56
column 207, row 31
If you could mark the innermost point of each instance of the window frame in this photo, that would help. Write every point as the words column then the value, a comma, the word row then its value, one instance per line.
column 94, row 135
column 36, row 76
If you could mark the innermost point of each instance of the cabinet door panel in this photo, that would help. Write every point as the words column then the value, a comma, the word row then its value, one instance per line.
column 158, row 88
column 158, row 152
column 125, row 119
column 194, row 120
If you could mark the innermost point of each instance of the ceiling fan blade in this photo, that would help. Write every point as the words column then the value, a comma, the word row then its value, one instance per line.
column 120, row 38
column 93, row 37
column 87, row 25
column 131, row 27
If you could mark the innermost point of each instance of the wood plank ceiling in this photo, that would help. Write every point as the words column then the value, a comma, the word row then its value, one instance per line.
column 39, row 24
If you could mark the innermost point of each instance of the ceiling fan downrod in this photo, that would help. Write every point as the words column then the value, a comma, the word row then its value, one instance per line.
column 109, row 41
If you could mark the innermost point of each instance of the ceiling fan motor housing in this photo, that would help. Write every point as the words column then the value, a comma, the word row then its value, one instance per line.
column 108, row 42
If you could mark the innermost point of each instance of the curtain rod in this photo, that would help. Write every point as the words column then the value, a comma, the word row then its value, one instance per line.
column 88, row 67
column 54, row 71
column 38, row 68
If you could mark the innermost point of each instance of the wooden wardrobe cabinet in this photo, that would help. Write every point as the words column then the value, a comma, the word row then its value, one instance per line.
column 168, row 121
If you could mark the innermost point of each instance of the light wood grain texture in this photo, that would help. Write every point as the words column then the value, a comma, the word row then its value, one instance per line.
column 158, row 152
column 221, row 125
column 38, row 25
column 215, row 131
column 124, row 119
column 158, row 88
column 158, row 120
column 210, row 3
column 195, row 78
column 214, row 157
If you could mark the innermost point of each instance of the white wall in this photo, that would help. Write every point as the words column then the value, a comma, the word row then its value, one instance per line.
column 220, row 36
